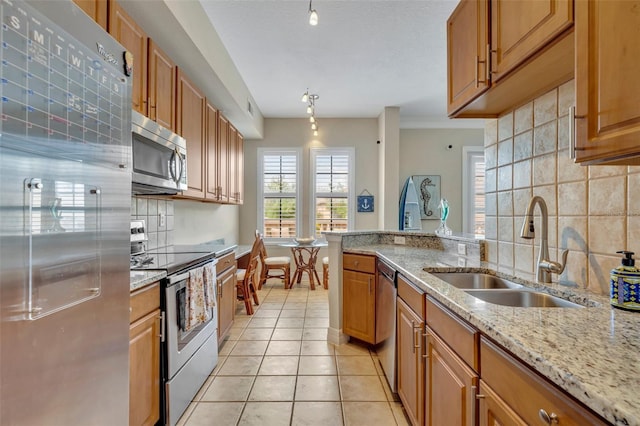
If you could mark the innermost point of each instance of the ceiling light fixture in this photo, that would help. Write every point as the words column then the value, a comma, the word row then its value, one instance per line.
column 311, row 99
column 313, row 15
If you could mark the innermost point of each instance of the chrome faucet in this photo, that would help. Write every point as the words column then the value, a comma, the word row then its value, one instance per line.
column 545, row 265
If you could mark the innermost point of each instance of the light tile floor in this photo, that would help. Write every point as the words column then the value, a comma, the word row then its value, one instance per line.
column 276, row 368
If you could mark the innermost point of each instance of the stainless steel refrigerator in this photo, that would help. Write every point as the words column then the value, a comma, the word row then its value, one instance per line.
column 65, row 176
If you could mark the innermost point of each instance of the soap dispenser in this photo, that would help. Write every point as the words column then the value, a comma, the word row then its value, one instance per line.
column 625, row 283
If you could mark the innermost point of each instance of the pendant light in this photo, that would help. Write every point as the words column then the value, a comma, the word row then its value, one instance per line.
column 305, row 96
column 313, row 15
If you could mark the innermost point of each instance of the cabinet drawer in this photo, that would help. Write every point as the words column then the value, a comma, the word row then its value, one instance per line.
column 225, row 262
column 360, row 263
column 144, row 301
column 511, row 379
column 412, row 296
column 460, row 336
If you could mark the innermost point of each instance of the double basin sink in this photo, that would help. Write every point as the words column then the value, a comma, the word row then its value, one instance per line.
column 500, row 291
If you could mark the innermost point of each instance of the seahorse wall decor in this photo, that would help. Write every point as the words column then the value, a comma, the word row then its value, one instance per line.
column 426, row 195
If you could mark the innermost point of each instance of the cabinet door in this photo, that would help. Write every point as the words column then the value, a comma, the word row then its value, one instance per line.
column 519, row 29
column 231, row 175
column 133, row 38
column 410, row 362
column 144, row 370
column 607, row 84
column 451, row 386
column 359, row 305
column 96, row 9
column 162, row 87
column 190, row 125
column 226, row 301
column 239, row 172
column 212, row 135
column 467, row 49
column 493, row 411
column 223, row 159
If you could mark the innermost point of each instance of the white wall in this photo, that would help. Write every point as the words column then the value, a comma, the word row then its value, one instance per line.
column 426, row 152
column 196, row 222
column 360, row 133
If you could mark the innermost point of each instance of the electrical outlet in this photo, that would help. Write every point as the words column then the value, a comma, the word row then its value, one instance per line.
column 398, row 240
column 462, row 262
column 462, row 249
column 161, row 219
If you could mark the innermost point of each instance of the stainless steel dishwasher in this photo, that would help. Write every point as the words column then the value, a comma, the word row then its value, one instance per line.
column 386, row 293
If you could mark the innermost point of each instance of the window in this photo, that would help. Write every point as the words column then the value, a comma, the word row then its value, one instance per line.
column 279, row 192
column 332, row 186
column 473, row 190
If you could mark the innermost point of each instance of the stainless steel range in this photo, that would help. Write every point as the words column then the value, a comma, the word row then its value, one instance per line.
column 191, row 350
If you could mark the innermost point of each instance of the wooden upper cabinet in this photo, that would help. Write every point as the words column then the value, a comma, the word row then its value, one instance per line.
column 529, row 51
column 223, row 158
column 190, row 124
column 239, row 172
column 607, row 84
column 519, row 29
column 233, row 178
column 96, row 9
column 161, row 87
column 212, row 135
column 467, row 49
column 135, row 40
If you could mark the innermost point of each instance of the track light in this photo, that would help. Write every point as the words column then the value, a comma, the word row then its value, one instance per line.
column 313, row 15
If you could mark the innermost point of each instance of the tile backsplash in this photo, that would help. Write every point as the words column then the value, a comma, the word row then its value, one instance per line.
column 158, row 214
column 593, row 210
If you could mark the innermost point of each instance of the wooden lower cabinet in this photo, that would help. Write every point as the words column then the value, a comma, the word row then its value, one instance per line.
column 226, row 276
column 144, row 356
column 510, row 379
column 410, row 362
column 359, row 305
column 493, row 411
column 451, row 386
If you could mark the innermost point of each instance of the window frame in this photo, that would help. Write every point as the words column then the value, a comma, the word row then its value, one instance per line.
column 351, row 154
column 261, row 153
column 468, row 195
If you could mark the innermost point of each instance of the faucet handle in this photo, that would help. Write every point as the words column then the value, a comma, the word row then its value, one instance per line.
column 555, row 267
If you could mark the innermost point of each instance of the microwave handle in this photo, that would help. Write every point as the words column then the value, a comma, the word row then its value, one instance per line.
column 176, row 161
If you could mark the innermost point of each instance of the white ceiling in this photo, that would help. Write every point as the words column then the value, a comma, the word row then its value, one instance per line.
column 363, row 55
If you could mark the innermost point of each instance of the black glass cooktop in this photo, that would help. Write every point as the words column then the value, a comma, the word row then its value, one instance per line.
column 168, row 260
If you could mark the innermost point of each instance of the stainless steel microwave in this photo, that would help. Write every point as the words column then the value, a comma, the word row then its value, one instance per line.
column 159, row 158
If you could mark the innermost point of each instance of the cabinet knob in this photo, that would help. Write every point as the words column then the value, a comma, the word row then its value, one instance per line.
column 548, row 418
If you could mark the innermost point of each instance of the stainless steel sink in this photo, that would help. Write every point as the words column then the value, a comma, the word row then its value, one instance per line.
column 522, row 298
column 473, row 280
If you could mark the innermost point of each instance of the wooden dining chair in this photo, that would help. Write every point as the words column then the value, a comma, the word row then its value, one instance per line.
column 325, row 272
column 274, row 263
column 246, row 279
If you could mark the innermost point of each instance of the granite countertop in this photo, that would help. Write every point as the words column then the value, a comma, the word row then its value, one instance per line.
column 592, row 353
column 140, row 279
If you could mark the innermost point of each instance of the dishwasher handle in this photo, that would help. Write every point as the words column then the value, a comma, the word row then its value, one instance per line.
column 386, row 271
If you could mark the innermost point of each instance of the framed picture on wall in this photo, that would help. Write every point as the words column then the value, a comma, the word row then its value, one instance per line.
column 428, row 188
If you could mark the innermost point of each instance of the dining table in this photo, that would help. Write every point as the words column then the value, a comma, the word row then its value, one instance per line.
column 305, row 256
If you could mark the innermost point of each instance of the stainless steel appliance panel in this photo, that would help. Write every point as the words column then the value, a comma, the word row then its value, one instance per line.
column 386, row 292
column 65, row 154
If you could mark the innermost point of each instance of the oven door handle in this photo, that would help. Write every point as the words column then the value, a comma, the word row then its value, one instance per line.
column 177, row 278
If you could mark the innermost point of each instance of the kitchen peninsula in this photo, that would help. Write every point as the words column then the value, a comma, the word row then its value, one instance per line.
column 586, row 352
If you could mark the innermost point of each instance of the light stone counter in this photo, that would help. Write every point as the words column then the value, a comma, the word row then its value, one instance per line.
column 140, row 279
column 593, row 353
